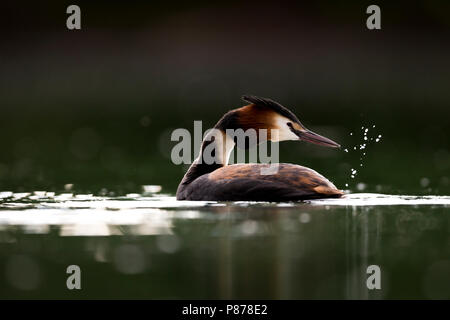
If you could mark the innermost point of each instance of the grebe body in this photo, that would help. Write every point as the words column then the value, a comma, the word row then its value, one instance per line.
column 243, row 182
column 219, row 181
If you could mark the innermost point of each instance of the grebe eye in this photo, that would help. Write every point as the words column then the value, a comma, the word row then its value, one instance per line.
column 289, row 124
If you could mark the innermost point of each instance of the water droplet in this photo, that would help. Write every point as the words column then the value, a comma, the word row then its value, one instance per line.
column 424, row 182
column 361, row 186
column 151, row 188
column 305, row 217
column 168, row 243
column 129, row 259
column 249, row 227
column 145, row 121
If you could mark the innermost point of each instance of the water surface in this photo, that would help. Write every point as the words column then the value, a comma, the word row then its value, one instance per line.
column 152, row 246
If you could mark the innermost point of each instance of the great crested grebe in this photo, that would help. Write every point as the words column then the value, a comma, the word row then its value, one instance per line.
column 219, row 181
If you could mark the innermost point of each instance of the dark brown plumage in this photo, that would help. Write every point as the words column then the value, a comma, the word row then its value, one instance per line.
column 240, row 182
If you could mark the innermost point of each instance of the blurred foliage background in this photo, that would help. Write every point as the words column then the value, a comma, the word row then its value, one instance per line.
column 96, row 107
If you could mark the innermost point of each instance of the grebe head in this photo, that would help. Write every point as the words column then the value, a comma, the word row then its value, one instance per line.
column 267, row 114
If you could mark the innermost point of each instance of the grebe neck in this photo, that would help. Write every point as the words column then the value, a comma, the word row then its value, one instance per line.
column 214, row 153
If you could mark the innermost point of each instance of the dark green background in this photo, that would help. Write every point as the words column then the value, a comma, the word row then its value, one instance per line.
column 95, row 107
